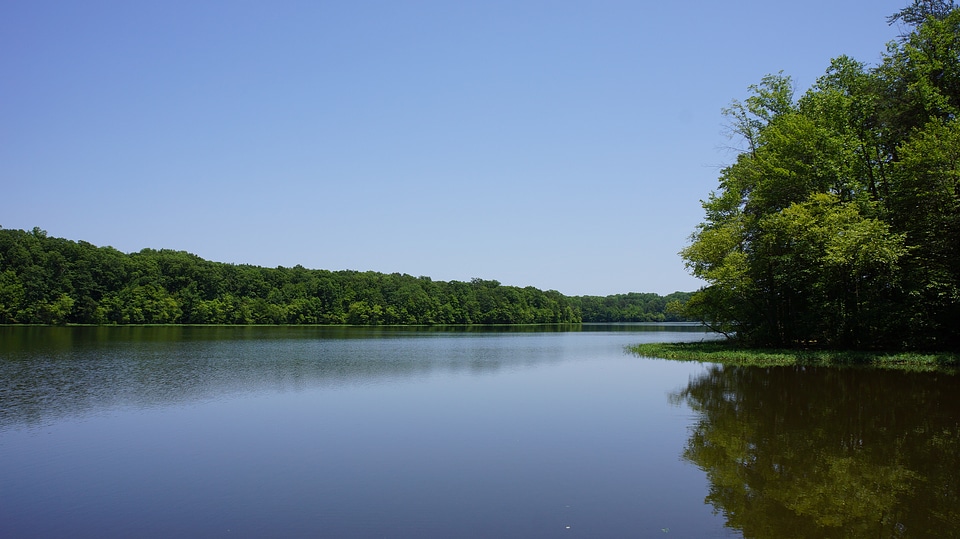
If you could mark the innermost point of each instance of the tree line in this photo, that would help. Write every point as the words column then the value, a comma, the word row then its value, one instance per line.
column 48, row 280
column 838, row 224
column 633, row 307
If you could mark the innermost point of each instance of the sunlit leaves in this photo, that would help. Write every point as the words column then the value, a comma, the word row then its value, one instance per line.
column 838, row 224
column 49, row 280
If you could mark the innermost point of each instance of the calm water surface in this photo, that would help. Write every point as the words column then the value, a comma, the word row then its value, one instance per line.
column 350, row 432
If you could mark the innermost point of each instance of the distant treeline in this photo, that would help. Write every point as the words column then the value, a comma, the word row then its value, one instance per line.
column 633, row 307
column 47, row 280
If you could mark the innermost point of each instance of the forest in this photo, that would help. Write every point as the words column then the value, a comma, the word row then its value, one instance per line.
column 48, row 280
column 838, row 224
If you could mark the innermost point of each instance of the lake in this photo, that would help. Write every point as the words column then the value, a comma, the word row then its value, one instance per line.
column 458, row 432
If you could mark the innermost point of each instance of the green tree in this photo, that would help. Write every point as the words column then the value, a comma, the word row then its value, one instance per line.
column 54, row 280
column 11, row 297
column 926, row 207
column 837, row 224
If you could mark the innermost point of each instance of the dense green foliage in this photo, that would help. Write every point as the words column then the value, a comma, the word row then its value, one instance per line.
column 46, row 280
column 839, row 223
column 632, row 307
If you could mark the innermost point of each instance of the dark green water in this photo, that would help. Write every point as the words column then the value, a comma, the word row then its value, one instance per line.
column 543, row 432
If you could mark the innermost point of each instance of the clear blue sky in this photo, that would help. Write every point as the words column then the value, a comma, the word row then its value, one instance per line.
column 556, row 144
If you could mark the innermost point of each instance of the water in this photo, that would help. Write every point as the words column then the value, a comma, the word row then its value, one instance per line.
column 818, row 452
column 365, row 432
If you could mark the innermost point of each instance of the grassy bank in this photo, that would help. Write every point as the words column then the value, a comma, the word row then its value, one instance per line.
column 729, row 353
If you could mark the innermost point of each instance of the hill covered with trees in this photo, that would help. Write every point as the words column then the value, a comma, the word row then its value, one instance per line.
column 48, row 280
column 632, row 307
column 839, row 222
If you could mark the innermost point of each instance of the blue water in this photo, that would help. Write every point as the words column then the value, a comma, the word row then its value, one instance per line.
column 320, row 432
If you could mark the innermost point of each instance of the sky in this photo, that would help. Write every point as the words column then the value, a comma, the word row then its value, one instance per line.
column 564, row 145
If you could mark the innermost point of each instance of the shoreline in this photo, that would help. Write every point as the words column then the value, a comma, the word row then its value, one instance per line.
column 726, row 353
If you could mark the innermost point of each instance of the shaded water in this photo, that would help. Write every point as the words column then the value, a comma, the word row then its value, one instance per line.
column 542, row 432
column 819, row 452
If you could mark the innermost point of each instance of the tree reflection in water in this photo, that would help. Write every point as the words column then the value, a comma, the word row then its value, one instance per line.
column 819, row 452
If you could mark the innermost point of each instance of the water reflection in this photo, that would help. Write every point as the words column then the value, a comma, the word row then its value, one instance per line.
column 15, row 340
column 51, row 372
column 806, row 452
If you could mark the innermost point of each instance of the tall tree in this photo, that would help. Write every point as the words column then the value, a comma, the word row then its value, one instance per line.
column 838, row 223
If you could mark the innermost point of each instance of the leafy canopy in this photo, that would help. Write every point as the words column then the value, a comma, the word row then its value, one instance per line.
column 838, row 224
